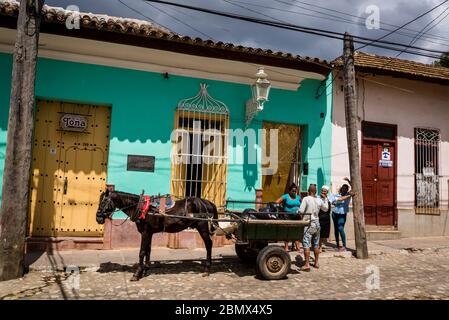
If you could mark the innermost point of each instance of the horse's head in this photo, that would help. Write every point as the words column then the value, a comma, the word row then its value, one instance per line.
column 105, row 208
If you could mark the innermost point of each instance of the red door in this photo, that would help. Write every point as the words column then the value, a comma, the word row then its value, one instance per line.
column 378, row 181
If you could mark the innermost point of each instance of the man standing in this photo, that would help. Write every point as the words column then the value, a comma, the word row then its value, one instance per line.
column 311, row 206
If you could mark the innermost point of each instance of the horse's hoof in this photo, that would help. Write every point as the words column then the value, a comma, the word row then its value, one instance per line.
column 205, row 274
column 135, row 278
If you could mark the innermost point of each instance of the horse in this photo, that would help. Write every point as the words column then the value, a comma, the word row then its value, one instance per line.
column 112, row 201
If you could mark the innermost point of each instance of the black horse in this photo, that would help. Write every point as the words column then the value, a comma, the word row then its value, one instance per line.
column 188, row 207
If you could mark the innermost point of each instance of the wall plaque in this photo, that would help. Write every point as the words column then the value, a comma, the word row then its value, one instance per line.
column 386, row 163
column 73, row 122
column 140, row 163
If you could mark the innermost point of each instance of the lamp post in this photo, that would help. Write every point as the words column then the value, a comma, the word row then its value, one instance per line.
column 260, row 92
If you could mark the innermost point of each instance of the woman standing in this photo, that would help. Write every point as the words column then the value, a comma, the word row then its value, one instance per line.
column 291, row 202
column 325, row 219
column 339, row 212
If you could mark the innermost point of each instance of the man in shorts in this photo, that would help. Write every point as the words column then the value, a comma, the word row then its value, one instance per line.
column 310, row 207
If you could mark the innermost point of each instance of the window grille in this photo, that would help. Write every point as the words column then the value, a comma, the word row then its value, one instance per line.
column 427, row 178
column 199, row 158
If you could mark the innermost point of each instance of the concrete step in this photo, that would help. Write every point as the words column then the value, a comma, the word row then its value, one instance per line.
column 63, row 243
column 382, row 235
column 380, row 228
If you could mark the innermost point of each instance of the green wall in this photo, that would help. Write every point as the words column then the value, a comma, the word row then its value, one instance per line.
column 143, row 106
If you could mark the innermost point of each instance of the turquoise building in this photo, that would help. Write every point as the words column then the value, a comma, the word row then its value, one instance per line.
column 128, row 80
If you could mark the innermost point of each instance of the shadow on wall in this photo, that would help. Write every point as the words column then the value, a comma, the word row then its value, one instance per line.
column 250, row 171
column 301, row 107
column 320, row 179
column 142, row 117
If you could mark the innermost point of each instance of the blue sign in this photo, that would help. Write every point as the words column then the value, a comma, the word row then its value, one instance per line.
column 386, row 155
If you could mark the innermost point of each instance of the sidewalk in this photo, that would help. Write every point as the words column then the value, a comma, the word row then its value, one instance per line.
column 87, row 259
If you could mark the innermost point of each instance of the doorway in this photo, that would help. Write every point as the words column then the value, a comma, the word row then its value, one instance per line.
column 69, row 165
column 289, row 160
column 379, row 173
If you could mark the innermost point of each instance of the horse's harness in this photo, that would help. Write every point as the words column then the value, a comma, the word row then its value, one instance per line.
column 144, row 207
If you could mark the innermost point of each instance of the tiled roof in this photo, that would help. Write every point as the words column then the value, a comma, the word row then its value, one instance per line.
column 90, row 20
column 148, row 29
column 382, row 64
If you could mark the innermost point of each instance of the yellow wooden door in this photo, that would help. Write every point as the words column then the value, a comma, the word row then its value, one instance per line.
column 289, row 159
column 68, row 170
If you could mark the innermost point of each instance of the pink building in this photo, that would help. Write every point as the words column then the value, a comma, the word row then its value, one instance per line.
column 403, row 107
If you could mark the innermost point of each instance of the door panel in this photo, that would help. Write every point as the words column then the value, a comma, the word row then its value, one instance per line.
column 370, row 215
column 289, row 160
column 69, row 170
column 378, row 184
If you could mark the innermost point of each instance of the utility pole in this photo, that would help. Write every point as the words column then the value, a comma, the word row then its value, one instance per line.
column 17, row 172
column 352, row 124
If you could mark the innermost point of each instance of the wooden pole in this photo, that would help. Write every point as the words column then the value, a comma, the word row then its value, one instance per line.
column 352, row 125
column 17, row 172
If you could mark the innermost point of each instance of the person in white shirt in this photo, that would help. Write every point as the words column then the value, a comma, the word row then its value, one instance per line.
column 310, row 207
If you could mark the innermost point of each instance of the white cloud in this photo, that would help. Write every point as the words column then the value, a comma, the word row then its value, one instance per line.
column 305, row 13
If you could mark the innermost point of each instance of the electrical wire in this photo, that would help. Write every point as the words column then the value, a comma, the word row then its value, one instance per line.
column 140, row 13
column 354, row 16
column 423, row 30
column 364, row 38
column 404, row 25
column 319, row 94
column 179, row 20
column 386, row 42
column 314, row 31
column 389, row 62
column 338, row 19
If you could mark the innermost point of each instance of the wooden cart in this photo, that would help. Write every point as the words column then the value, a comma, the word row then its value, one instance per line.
column 254, row 237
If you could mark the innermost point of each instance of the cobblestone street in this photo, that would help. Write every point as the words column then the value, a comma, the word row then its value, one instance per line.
column 403, row 274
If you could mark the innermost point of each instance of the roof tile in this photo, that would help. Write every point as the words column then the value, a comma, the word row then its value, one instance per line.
column 406, row 67
column 107, row 23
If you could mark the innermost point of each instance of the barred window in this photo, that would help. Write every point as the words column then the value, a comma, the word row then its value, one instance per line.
column 427, row 179
column 199, row 162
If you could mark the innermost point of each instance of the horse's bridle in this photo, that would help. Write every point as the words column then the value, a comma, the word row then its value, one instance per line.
column 110, row 204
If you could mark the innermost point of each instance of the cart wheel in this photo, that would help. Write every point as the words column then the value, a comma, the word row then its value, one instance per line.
column 245, row 253
column 273, row 263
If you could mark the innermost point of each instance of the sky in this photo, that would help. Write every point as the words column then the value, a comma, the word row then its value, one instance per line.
column 430, row 31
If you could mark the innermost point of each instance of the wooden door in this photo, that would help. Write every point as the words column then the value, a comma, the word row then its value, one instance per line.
column 68, row 170
column 378, row 181
column 289, row 159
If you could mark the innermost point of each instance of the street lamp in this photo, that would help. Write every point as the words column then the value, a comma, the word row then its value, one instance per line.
column 260, row 92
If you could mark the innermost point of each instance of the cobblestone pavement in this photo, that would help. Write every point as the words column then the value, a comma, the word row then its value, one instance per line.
column 403, row 275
